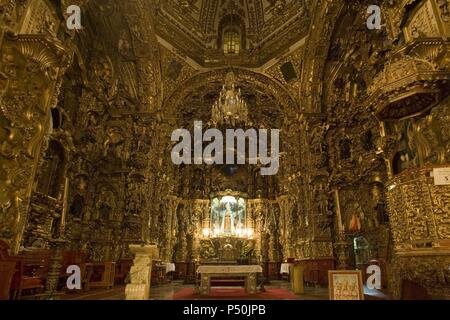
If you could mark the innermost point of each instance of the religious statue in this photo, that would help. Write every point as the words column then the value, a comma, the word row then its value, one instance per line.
column 105, row 206
column 345, row 149
column 228, row 221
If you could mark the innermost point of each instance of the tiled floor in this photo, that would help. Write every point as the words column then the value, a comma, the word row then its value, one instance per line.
column 166, row 292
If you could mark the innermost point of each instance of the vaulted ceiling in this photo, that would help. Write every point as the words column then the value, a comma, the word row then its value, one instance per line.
column 268, row 27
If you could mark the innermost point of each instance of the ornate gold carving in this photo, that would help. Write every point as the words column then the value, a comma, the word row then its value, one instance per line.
column 31, row 65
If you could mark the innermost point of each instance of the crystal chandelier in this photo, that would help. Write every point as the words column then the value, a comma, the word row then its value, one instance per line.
column 230, row 108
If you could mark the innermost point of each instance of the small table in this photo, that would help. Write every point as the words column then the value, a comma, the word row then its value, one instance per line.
column 170, row 267
column 208, row 272
column 285, row 270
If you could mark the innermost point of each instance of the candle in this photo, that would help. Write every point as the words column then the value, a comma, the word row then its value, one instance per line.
column 64, row 209
column 338, row 211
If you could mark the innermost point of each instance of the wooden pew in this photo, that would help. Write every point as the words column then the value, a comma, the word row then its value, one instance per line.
column 28, row 271
column 73, row 257
column 102, row 275
column 158, row 276
column 7, row 271
column 32, row 269
column 33, row 265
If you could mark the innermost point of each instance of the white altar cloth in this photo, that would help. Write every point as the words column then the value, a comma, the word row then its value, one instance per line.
column 285, row 268
column 229, row 269
column 170, row 267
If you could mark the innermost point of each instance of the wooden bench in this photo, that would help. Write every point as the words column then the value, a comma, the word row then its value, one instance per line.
column 28, row 271
column 158, row 274
column 102, row 275
column 78, row 258
column 32, row 269
column 32, row 266
column 8, row 267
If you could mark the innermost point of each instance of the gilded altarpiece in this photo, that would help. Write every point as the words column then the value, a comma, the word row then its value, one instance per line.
column 31, row 66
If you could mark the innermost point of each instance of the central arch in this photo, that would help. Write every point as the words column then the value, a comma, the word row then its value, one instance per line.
column 258, row 81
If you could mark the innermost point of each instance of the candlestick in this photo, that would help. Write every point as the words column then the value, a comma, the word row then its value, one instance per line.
column 64, row 209
column 338, row 211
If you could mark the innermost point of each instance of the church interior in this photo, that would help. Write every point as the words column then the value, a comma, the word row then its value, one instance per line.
column 93, row 206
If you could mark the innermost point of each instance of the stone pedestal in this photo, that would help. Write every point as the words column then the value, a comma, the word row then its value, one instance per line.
column 141, row 272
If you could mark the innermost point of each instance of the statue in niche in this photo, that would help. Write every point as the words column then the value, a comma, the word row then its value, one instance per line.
column 113, row 145
column 77, row 206
column 124, row 45
column 357, row 216
column 228, row 221
column 336, row 50
column 103, row 73
column 105, row 205
column 140, row 138
column 134, row 203
column 318, row 138
column 322, row 199
column 417, row 142
column 121, row 99
column 401, row 162
column 90, row 136
column 88, row 215
column 379, row 206
column 198, row 181
column 367, row 141
column 345, row 149
column 318, row 144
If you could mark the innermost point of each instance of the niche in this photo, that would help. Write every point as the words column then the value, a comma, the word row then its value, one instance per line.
column 345, row 149
column 400, row 162
column 56, row 119
column 361, row 249
column 288, row 71
column 52, row 171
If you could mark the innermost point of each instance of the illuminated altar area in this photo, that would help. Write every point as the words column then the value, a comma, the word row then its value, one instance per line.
column 228, row 235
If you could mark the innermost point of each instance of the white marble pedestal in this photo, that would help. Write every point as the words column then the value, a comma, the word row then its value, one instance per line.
column 141, row 272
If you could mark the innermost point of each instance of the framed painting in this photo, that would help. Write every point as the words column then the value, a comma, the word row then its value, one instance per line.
column 345, row 285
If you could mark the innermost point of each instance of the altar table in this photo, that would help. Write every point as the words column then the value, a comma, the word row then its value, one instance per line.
column 247, row 271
